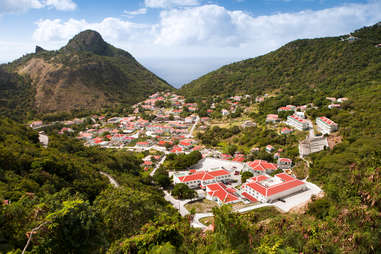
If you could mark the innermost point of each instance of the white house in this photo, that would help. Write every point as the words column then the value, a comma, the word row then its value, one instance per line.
column 261, row 166
column 266, row 189
column 325, row 125
column 284, row 163
column 221, row 194
column 297, row 122
column 195, row 179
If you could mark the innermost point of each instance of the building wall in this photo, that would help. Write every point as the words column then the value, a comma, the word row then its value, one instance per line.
column 286, row 193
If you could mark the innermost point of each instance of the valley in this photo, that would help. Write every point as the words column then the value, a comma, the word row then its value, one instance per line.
column 275, row 154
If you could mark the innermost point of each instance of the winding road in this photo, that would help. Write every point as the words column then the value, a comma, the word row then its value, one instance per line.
column 158, row 165
column 111, row 179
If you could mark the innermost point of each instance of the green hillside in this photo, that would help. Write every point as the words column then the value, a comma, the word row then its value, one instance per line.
column 86, row 74
column 302, row 67
column 60, row 191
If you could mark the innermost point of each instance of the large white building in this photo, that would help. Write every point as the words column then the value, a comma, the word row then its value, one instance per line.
column 325, row 125
column 297, row 122
column 196, row 179
column 266, row 189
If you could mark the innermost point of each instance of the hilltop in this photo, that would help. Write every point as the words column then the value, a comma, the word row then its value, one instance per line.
column 86, row 74
column 308, row 67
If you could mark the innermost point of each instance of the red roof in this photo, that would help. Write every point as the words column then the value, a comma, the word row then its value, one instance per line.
column 203, row 175
column 288, row 183
column 226, row 156
column 249, row 197
column 219, row 190
column 197, row 148
column 239, row 159
column 176, row 149
column 285, row 160
column 261, row 165
column 258, row 178
column 327, row 121
column 285, row 177
column 297, row 118
column 184, row 143
column 197, row 176
column 220, row 172
column 148, row 163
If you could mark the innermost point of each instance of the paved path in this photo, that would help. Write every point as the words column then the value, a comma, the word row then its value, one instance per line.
column 178, row 204
column 196, row 219
column 158, row 165
column 44, row 140
column 111, row 179
column 193, row 127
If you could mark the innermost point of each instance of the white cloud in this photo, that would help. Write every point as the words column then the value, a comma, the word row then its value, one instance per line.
column 114, row 29
column 211, row 31
column 61, row 5
column 19, row 6
column 169, row 3
column 212, row 25
column 140, row 11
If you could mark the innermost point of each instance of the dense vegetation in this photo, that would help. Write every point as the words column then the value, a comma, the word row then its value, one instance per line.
column 59, row 191
column 304, row 69
column 86, row 74
column 16, row 96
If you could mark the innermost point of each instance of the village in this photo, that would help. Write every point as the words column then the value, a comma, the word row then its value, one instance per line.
column 167, row 123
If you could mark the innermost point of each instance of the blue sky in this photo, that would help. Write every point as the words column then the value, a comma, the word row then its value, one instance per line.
column 180, row 40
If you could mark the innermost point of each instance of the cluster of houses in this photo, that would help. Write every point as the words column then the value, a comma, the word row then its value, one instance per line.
column 165, row 130
column 336, row 103
column 261, row 188
column 298, row 119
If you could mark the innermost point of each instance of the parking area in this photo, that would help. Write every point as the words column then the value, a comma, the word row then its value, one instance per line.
column 214, row 163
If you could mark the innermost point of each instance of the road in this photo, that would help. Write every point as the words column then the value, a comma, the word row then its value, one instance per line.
column 196, row 219
column 44, row 140
column 178, row 204
column 158, row 165
column 111, row 179
column 190, row 135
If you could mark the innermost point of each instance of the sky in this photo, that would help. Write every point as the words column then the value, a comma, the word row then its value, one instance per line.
column 180, row 40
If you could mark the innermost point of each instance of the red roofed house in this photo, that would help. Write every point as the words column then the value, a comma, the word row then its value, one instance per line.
column 286, row 131
column 239, row 158
column 274, row 188
column 297, row 122
column 326, row 126
column 272, row 118
column 260, row 166
column 185, row 144
column 221, row 194
column 226, row 156
column 202, row 178
column 284, row 163
column 287, row 108
column 176, row 149
column 269, row 148
column 142, row 144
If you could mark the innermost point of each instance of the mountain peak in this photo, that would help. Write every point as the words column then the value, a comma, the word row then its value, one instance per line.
column 88, row 40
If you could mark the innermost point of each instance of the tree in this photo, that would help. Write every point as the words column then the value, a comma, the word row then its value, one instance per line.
column 246, row 175
column 125, row 210
column 73, row 228
column 163, row 180
column 182, row 191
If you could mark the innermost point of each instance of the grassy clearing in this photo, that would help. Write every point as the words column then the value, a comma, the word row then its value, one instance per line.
column 207, row 220
column 201, row 206
column 263, row 213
